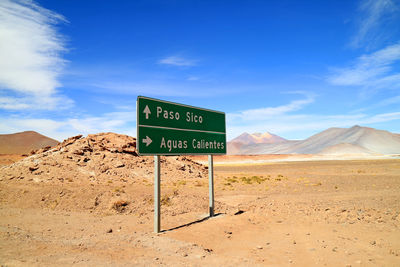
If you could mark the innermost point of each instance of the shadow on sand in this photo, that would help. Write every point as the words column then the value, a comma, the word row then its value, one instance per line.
column 191, row 223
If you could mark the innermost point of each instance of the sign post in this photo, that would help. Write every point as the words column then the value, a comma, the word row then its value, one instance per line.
column 211, row 184
column 167, row 128
column 157, row 194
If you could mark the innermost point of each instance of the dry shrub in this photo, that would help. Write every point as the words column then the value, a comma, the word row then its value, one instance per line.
column 120, row 205
column 165, row 200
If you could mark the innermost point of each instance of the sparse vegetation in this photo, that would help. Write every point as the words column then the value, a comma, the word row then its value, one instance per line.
column 257, row 179
column 53, row 204
column 245, row 180
column 166, row 200
column 120, row 205
column 118, row 190
column 303, row 180
column 148, row 200
column 179, row 183
column 175, row 192
column 199, row 184
column 279, row 177
column 317, row 184
column 232, row 180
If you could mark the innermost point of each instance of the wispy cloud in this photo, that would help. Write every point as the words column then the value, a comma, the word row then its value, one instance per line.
column 290, row 119
column 377, row 70
column 262, row 113
column 44, row 102
column 178, row 61
column 120, row 122
column 30, row 52
column 152, row 88
column 304, row 125
column 109, row 122
column 163, row 88
column 193, row 78
column 374, row 15
column 389, row 101
column 283, row 120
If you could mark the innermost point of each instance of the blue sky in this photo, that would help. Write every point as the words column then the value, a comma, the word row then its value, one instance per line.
column 292, row 68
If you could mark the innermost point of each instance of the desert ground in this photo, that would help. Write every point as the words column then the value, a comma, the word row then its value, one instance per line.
column 6, row 159
column 89, row 203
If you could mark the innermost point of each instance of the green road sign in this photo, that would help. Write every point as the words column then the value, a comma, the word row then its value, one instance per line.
column 166, row 128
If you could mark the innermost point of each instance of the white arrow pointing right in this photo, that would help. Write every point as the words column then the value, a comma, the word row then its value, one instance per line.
column 147, row 141
column 147, row 111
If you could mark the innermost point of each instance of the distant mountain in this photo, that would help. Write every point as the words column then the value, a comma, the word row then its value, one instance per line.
column 24, row 142
column 258, row 138
column 236, row 144
column 234, row 148
column 345, row 149
column 356, row 139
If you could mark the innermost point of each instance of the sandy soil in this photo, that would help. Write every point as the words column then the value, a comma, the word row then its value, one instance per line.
column 270, row 158
column 325, row 213
column 6, row 159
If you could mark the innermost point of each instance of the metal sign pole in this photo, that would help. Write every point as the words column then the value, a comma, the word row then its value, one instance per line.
column 167, row 128
column 157, row 223
column 211, row 184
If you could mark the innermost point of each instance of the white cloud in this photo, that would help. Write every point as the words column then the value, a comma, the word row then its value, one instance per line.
column 123, row 122
column 373, row 13
column 35, row 103
column 389, row 101
column 384, row 117
column 178, row 61
column 162, row 88
column 193, row 78
column 143, row 88
column 262, row 113
column 113, row 121
column 282, row 120
column 376, row 70
column 30, row 52
column 47, row 127
column 304, row 125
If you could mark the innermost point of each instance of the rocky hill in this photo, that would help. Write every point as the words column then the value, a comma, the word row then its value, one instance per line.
column 96, row 158
column 102, row 173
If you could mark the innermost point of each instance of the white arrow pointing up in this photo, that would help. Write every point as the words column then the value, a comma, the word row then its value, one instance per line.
column 147, row 111
column 147, row 141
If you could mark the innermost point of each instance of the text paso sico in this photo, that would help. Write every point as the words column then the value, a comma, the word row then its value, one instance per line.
column 170, row 128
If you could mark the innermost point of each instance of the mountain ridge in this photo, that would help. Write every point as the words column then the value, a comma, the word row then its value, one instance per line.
column 258, row 138
column 358, row 139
